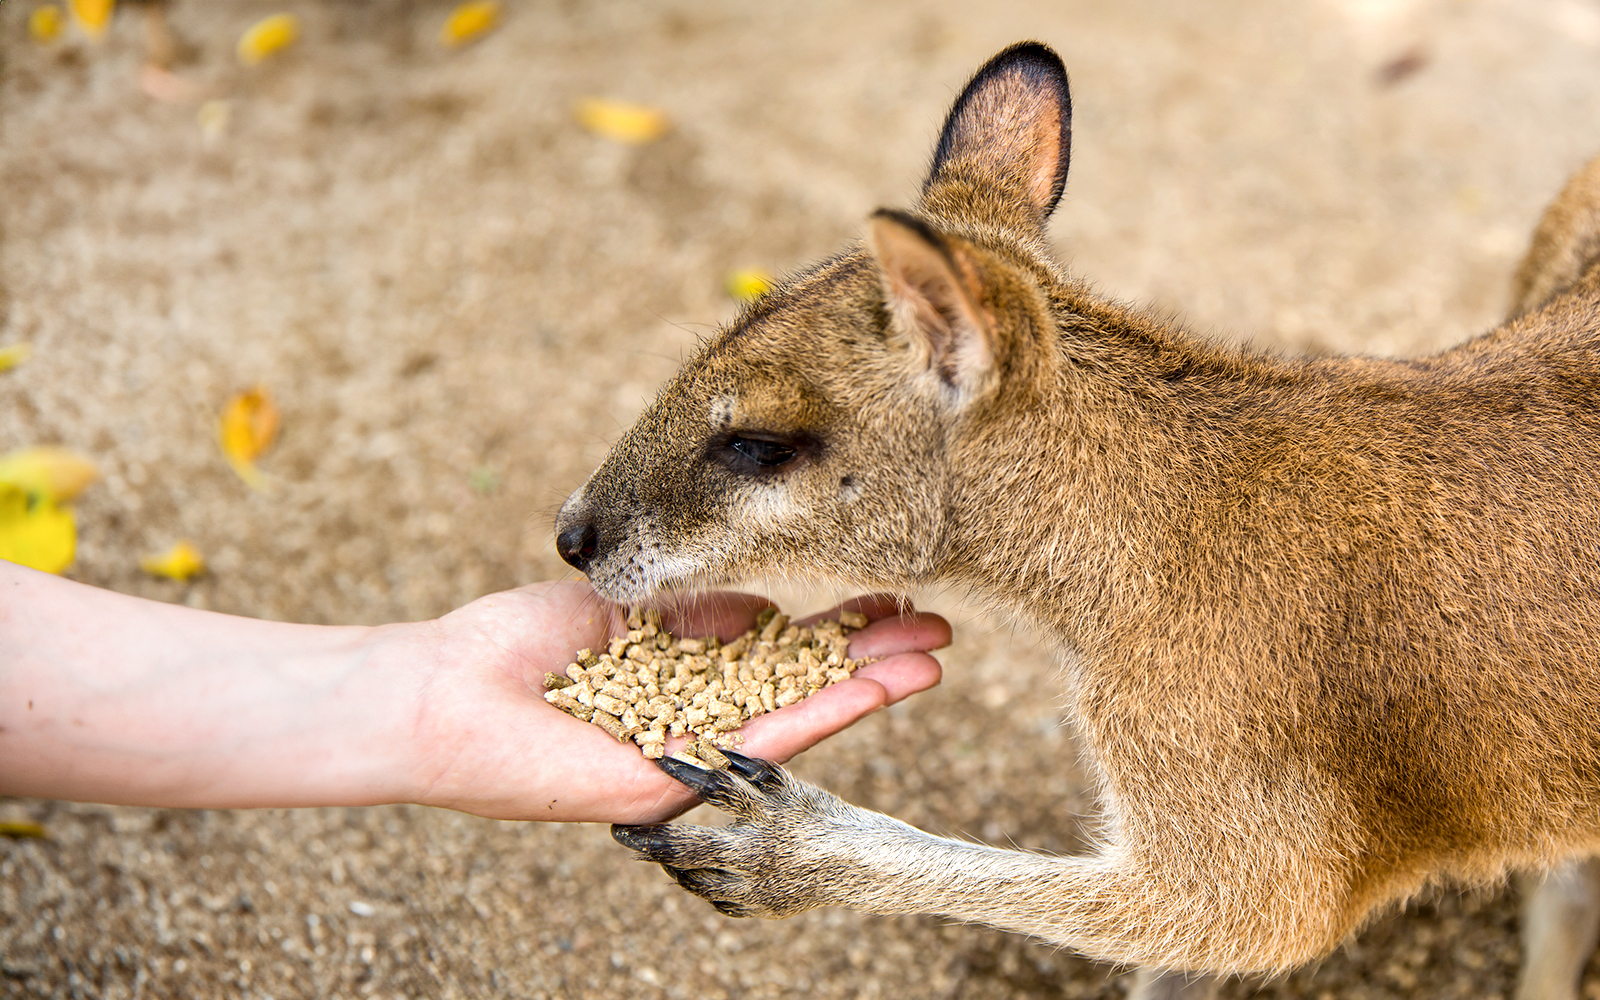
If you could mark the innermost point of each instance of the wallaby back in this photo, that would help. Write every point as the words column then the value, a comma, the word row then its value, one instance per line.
column 1334, row 623
column 1565, row 245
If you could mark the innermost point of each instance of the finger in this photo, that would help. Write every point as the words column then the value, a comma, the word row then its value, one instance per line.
column 660, row 799
column 723, row 614
column 620, row 785
column 782, row 734
column 904, row 675
column 916, row 633
column 896, row 627
column 544, row 623
column 874, row 606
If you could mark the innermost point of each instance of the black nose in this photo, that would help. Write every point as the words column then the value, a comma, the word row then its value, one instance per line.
column 577, row 545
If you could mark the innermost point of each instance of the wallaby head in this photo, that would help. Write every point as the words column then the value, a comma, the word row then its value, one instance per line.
column 820, row 434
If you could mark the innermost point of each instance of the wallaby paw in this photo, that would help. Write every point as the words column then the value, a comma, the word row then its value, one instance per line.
column 773, row 861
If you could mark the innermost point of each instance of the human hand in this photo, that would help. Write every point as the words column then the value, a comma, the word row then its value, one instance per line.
column 485, row 741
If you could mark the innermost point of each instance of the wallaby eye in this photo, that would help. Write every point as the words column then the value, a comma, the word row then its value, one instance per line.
column 763, row 453
column 759, row 453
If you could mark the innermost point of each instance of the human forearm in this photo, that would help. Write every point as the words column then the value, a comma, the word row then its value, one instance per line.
column 111, row 698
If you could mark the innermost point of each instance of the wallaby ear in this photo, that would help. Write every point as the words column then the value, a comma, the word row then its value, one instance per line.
column 1011, row 130
column 934, row 297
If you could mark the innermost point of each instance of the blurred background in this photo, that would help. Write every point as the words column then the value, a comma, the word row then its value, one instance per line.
column 456, row 257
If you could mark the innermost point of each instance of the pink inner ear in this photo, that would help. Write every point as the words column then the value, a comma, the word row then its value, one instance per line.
column 1045, row 149
column 1016, row 129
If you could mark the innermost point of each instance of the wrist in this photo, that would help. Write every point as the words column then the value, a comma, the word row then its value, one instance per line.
column 356, row 742
column 400, row 664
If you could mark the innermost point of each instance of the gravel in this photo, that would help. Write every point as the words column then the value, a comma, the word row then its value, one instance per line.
column 458, row 297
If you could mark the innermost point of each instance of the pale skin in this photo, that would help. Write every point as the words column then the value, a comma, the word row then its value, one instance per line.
column 110, row 698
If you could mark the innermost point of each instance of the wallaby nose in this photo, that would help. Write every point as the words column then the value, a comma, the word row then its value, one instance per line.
column 577, row 545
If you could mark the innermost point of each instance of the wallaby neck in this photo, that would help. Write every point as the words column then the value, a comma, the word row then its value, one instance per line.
column 1074, row 501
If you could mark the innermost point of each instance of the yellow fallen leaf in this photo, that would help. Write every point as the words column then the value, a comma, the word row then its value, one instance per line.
column 21, row 829
column 246, row 429
column 57, row 474
column 180, row 562
column 34, row 531
column 267, row 36
column 93, row 16
column 635, row 124
column 213, row 118
column 748, row 285
column 249, row 424
column 468, row 21
column 44, row 24
column 13, row 355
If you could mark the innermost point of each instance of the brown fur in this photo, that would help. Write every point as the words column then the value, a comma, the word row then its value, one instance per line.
column 1332, row 626
column 1565, row 244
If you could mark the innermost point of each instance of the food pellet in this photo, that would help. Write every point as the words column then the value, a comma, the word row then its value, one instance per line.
column 709, row 752
column 648, row 684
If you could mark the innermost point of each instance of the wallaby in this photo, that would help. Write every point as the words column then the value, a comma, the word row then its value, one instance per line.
column 1331, row 627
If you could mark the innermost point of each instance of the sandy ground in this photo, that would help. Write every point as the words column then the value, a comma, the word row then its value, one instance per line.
column 459, row 297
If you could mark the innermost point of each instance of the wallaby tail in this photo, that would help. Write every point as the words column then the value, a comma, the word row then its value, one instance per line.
column 1566, row 244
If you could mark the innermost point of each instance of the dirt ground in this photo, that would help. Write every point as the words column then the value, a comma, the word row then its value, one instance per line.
column 458, row 297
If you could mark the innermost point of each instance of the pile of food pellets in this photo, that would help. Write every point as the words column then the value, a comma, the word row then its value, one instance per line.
column 649, row 685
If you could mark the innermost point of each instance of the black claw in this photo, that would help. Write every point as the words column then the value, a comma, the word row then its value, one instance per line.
column 701, row 881
column 765, row 776
column 688, row 774
column 713, row 786
column 728, row 908
column 647, row 840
